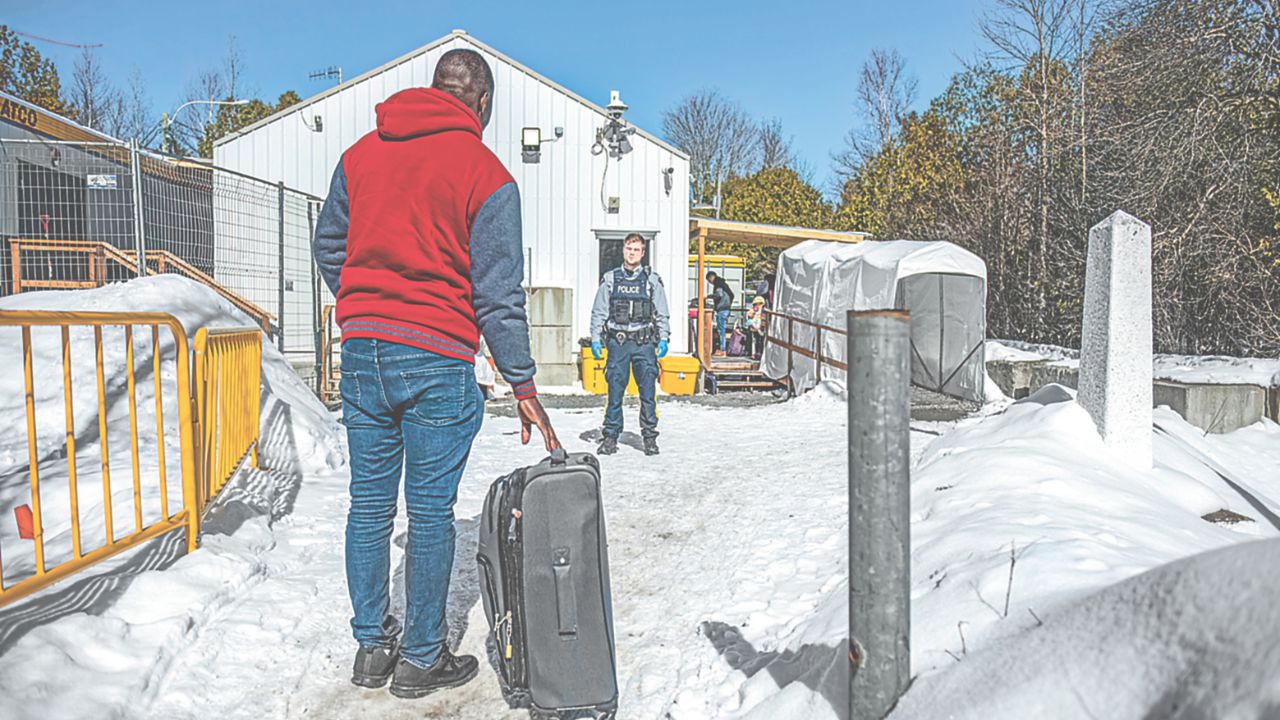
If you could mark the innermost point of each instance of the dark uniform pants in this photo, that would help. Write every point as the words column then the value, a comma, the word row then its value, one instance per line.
column 624, row 359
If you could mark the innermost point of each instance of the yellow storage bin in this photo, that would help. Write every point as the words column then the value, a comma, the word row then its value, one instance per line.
column 678, row 374
column 593, row 374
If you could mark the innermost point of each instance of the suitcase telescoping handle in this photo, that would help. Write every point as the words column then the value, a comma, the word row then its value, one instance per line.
column 559, row 456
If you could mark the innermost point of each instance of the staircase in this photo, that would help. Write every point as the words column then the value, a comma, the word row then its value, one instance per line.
column 83, row 264
column 734, row 373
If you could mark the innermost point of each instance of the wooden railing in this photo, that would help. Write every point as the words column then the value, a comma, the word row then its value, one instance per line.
column 328, row 380
column 793, row 349
column 101, row 255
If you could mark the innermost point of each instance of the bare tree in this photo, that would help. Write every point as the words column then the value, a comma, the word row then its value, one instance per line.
column 96, row 102
column 222, row 82
column 719, row 136
column 232, row 69
column 1034, row 37
column 884, row 95
column 133, row 119
column 775, row 149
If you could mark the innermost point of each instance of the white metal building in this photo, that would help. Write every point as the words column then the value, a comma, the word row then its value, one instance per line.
column 571, row 234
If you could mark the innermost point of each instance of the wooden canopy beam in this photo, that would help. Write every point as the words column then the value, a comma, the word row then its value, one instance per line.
column 777, row 236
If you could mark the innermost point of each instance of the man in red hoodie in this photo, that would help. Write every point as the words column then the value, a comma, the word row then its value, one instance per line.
column 419, row 240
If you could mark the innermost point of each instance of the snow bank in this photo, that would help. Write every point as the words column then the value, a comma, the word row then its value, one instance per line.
column 99, row 665
column 1192, row 639
column 1035, row 481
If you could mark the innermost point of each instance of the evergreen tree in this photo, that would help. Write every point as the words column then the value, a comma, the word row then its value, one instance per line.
column 24, row 73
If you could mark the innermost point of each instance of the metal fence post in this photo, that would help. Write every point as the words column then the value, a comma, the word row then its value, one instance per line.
column 817, row 347
column 139, row 223
column 879, row 406
column 316, row 295
column 280, row 277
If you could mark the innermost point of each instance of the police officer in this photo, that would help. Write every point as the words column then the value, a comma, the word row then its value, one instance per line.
column 630, row 317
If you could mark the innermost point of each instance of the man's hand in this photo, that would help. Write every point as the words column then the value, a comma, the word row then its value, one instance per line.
column 662, row 349
column 531, row 413
column 597, row 350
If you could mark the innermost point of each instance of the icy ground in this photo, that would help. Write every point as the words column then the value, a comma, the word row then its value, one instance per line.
column 728, row 554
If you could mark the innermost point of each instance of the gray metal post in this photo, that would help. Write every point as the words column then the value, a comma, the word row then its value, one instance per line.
column 879, row 387
column 316, row 294
column 280, row 278
column 139, row 223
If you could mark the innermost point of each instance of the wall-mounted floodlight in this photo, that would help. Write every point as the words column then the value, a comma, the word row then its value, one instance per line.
column 531, row 143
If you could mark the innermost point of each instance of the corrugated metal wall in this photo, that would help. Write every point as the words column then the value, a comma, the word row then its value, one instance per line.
column 561, row 194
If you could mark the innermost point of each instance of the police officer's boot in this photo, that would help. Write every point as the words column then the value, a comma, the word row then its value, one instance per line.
column 608, row 446
column 651, row 446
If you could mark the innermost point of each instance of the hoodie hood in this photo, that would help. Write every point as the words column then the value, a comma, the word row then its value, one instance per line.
column 424, row 111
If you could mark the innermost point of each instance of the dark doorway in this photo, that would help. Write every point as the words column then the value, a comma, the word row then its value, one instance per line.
column 611, row 251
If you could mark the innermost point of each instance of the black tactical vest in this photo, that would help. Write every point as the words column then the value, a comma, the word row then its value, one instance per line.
column 630, row 302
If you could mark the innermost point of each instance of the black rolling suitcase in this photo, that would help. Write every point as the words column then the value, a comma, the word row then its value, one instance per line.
column 544, row 579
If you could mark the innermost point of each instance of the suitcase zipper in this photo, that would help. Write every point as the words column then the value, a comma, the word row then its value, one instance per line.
column 513, row 647
column 504, row 638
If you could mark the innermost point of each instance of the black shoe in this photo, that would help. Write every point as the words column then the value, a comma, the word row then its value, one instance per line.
column 608, row 446
column 374, row 665
column 449, row 671
column 651, row 446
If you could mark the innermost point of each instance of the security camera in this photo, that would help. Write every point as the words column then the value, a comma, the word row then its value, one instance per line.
column 616, row 107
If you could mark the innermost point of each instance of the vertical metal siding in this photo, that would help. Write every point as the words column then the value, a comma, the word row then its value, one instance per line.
column 560, row 195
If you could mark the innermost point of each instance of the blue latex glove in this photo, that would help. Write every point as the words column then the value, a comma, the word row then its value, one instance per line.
column 662, row 348
column 597, row 351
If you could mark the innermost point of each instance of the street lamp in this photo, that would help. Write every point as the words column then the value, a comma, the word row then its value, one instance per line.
column 167, row 119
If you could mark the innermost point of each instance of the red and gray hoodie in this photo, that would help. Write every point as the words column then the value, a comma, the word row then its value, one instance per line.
column 419, row 239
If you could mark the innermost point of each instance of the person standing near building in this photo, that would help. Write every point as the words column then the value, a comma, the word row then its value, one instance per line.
column 630, row 319
column 755, row 328
column 722, row 296
column 420, row 242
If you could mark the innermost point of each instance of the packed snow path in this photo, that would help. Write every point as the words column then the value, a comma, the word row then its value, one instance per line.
column 714, row 530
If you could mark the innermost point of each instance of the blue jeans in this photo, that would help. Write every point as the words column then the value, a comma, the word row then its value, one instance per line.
column 722, row 325
column 625, row 359
column 412, row 412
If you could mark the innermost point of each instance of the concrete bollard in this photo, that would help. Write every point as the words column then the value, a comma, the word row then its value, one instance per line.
column 879, row 389
column 1115, row 346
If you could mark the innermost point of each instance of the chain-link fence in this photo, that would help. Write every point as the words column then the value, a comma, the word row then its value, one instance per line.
column 73, row 215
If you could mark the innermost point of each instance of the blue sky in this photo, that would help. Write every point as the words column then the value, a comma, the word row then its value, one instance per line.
column 795, row 60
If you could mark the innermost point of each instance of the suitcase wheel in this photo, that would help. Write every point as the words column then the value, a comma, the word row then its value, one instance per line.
column 516, row 698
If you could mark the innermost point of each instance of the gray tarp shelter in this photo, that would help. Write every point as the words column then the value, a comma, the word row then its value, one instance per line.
column 942, row 285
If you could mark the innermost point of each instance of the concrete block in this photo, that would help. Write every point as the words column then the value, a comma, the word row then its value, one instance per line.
column 1013, row 377
column 1115, row 347
column 549, row 306
column 1213, row 408
column 551, row 344
column 1048, row 373
column 558, row 374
